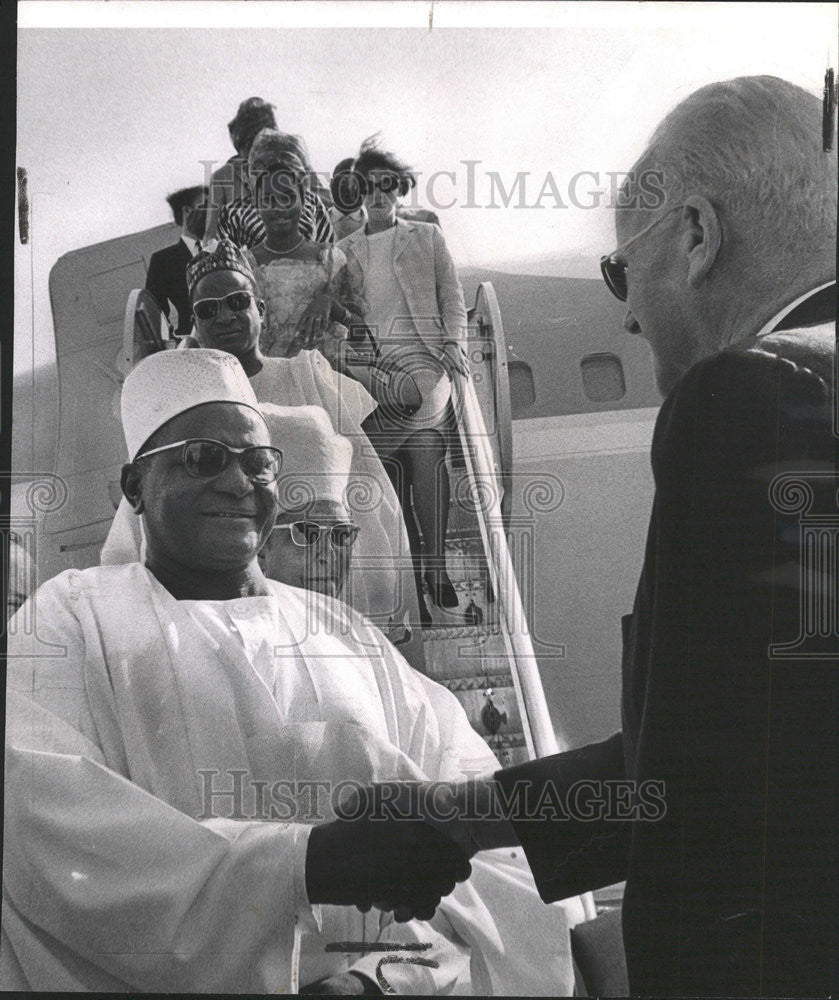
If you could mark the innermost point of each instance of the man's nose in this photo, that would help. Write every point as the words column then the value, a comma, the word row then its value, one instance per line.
column 630, row 323
column 324, row 549
column 232, row 479
column 225, row 313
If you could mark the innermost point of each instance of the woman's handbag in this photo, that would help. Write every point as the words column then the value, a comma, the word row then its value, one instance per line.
column 390, row 383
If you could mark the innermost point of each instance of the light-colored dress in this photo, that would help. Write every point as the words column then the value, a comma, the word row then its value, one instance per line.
column 380, row 584
column 412, row 298
column 388, row 315
column 288, row 286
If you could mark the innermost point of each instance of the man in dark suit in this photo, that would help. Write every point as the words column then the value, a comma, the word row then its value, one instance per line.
column 166, row 277
column 717, row 800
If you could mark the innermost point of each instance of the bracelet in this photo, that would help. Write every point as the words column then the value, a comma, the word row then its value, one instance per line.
column 457, row 343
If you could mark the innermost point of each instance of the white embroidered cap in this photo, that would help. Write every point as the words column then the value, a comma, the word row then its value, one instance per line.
column 316, row 460
column 172, row 382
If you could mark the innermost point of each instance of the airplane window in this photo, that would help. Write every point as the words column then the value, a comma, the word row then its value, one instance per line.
column 603, row 377
column 567, row 351
column 522, row 388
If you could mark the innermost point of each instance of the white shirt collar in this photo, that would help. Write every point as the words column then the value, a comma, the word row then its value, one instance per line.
column 191, row 243
column 778, row 317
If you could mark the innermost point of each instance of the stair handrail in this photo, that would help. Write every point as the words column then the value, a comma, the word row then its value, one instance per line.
column 485, row 476
column 539, row 733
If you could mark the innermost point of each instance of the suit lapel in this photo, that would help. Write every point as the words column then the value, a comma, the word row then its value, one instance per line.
column 404, row 262
column 360, row 248
column 183, row 252
column 402, row 238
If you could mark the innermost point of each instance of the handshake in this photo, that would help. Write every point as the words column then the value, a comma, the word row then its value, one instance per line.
column 399, row 846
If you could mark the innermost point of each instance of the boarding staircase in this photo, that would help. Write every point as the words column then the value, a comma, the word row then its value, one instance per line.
column 481, row 650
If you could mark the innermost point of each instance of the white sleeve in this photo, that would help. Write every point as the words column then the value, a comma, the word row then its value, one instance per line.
column 447, row 970
column 355, row 401
column 118, row 878
column 449, row 291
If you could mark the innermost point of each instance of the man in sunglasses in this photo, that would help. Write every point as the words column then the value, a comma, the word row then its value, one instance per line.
column 724, row 827
column 178, row 736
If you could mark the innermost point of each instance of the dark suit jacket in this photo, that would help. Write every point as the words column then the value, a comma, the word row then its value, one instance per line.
column 166, row 280
column 733, row 890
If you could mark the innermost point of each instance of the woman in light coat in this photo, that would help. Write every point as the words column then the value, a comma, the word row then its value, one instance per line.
column 413, row 304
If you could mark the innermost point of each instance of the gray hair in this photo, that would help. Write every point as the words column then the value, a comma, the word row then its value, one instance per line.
column 753, row 147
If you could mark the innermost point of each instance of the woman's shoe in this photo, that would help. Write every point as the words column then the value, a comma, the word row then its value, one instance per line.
column 441, row 588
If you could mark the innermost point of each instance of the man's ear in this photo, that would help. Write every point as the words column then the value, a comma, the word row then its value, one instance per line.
column 260, row 306
column 131, row 483
column 703, row 236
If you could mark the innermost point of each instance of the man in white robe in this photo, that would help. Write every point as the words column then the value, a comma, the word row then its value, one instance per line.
column 166, row 768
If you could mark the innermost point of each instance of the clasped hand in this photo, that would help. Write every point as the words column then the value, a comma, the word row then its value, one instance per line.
column 313, row 325
column 388, row 850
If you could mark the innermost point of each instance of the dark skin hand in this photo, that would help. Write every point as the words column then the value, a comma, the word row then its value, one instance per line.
column 404, row 866
column 313, row 327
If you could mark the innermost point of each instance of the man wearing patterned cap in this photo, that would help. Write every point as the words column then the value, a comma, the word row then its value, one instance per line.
column 172, row 770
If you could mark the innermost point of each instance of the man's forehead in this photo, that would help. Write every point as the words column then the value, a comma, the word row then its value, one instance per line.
column 231, row 423
column 218, row 282
column 325, row 510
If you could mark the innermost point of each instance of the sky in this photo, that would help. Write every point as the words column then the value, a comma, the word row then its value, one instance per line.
column 119, row 104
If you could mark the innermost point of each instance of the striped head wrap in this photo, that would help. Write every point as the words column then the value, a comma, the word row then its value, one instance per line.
column 223, row 256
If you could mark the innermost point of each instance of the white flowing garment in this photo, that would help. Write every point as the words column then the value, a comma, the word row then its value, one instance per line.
column 144, row 759
column 381, row 582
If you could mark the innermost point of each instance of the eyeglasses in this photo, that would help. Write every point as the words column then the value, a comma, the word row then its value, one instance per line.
column 307, row 533
column 204, row 458
column 614, row 270
column 386, row 183
column 235, row 301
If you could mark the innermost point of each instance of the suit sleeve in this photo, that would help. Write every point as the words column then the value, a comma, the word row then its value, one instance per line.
column 737, row 739
column 516, row 945
column 561, row 812
column 449, row 293
column 156, row 282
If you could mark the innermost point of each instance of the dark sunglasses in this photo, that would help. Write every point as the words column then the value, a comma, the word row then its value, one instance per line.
column 235, row 301
column 613, row 268
column 204, row 458
column 387, row 184
column 307, row 533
